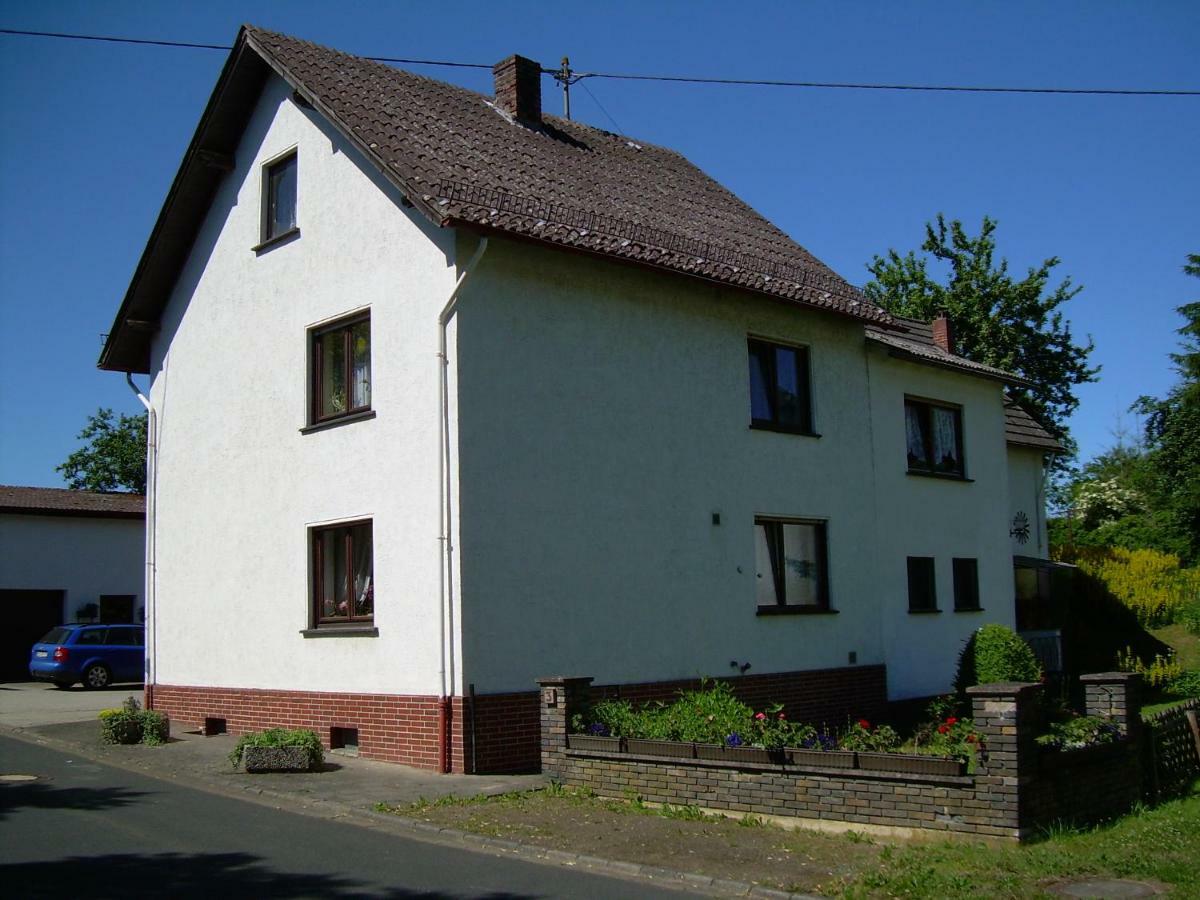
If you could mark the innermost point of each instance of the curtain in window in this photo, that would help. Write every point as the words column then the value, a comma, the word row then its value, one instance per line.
column 364, row 592
column 914, row 435
column 360, row 375
column 766, row 593
column 945, row 439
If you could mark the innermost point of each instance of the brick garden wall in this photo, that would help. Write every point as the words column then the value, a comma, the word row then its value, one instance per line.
column 403, row 728
column 1018, row 786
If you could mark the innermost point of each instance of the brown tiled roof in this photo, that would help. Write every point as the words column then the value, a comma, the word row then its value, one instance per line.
column 917, row 344
column 463, row 163
column 1021, row 428
column 61, row 502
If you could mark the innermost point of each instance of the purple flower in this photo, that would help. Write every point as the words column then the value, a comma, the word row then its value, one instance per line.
column 733, row 740
column 599, row 729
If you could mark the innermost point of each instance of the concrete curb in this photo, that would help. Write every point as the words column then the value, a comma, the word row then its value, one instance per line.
column 692, row 881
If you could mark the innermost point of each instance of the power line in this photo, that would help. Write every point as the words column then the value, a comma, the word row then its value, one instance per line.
column 679, row 79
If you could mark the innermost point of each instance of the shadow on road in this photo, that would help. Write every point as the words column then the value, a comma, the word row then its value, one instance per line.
column 36, row 795
column 201, row 875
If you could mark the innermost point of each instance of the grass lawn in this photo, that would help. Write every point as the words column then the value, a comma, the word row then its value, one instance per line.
column 1159, row 845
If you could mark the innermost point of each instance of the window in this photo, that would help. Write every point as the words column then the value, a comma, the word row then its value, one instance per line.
column 922, row 590
column 934, row 436
column 779, row 388
column 966, row 584
column 790, row 565
column 341, row 369
column 279, row 198
column 343, row 570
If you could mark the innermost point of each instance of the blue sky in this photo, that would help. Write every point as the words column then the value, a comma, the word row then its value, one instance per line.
column 92, row 135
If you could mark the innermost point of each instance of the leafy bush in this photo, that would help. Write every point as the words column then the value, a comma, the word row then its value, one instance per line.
column 1158, row 673
column 1152, row 584
column 995, row 653
column 1079, row 732
column 943, row 733
column 1190, row 617
column 304, row 738
column 863, row 736
column 130, row 724
column 1186, row 684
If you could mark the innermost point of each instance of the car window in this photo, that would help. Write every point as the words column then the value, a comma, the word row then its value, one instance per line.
column 90, row 636
column 125, row 637
column 55, row 636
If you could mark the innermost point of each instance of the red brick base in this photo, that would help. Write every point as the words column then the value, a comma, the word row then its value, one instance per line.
column 498, row 732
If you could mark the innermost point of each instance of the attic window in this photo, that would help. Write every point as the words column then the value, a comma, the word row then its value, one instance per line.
column 279, row 198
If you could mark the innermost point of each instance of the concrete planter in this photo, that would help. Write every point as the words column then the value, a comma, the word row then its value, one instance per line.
column 826, row 759
column 276, row 759
column 676, row 749
column 594, row 742
column 911, row 764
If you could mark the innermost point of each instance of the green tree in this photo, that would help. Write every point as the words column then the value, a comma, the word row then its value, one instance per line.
column 1011, row 323
column 1173, row 435
column 113, row 457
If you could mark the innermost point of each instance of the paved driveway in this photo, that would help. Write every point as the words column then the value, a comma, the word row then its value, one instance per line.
column 29, row 704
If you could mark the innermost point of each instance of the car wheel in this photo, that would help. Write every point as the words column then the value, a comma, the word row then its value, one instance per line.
column 96, row 676
column 63, row 685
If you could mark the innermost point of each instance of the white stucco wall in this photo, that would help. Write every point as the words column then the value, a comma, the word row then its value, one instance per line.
column 1027, row 494
column 937, row 517
column 238, row 483
column 83, row 556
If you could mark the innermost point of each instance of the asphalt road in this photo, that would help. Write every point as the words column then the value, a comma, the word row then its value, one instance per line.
column 84, row 829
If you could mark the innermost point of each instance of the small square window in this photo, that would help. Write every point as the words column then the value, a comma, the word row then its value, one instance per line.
column 340, row 364
column 791, row 564
column 343, row 569
column 933, row 434
column 279, row 198
column 780, row 395
column 922, row 588
column 966, row 584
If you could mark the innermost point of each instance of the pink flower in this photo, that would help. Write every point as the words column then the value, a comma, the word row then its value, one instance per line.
column 760, row 716
column 782, row 717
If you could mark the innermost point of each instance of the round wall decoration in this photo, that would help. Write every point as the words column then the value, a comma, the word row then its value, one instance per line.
column 1020, row 527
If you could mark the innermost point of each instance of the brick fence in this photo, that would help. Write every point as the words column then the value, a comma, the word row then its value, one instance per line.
column 1018, row 786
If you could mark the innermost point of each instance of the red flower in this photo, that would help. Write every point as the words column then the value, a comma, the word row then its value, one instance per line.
column 760, row 716
column 863, row 723
column 942, row 729
column 970, row 738
column 952, row 721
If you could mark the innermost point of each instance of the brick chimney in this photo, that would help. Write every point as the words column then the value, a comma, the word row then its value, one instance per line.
column 943, row 333
column 519, row 87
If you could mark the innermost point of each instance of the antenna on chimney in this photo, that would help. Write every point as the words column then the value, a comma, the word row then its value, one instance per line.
column 566, row 77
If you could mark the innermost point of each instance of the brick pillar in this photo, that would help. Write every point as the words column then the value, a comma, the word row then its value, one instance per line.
column 1006, row 718
column 1117, row 695
column 560, row 696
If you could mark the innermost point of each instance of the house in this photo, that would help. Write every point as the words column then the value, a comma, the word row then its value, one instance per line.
column 449, row 394
column 66, row 556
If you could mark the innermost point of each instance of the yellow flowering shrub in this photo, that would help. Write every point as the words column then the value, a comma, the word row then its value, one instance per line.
column 1150, row 583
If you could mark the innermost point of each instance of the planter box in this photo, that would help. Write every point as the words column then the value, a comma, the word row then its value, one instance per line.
column 276, row 759
column 739, row 754
column 827, row 759
column 594, row 742
column 677, row 749
column 912, row 764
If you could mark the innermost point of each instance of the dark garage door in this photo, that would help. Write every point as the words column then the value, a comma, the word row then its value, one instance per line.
column 28, row 615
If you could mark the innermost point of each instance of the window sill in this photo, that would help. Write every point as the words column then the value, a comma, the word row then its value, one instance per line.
column 970, row 609
column 924, row 612
column 795, row 611
column 783, row 429
column 340, row 420
column 341, row 631
column 269, row 243
column 943, row 476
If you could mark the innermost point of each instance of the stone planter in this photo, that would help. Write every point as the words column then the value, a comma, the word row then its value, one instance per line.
column 738, row 754
column 911, row 764
column 276, row 759
column 676, row 749
column 594, row 742
column 826, row 759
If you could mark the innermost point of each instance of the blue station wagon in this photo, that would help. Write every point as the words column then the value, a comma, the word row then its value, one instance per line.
column 97, row 655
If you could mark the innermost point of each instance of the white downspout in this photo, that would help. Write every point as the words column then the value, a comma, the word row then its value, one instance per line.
column 445, row 548
column 151, row 534
column 1041, row 501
